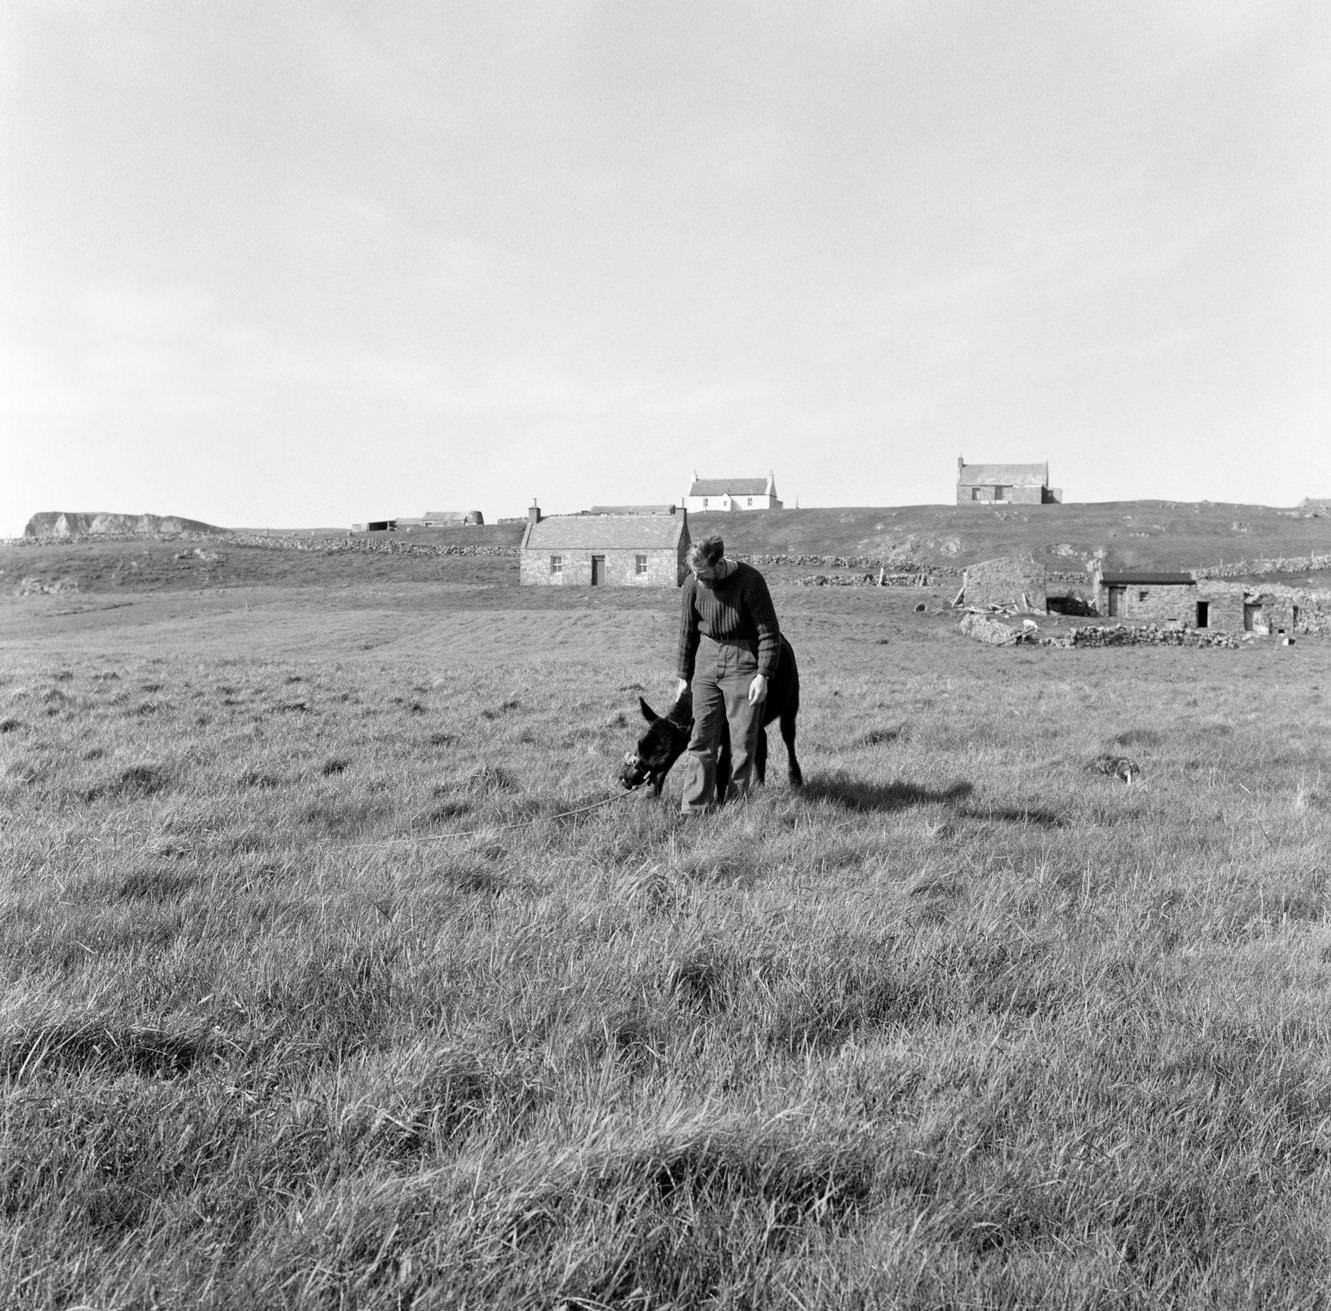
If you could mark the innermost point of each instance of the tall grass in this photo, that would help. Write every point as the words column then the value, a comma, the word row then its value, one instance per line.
column 330, row 983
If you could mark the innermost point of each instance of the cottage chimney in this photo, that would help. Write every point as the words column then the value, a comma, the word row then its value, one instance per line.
column 961, row 464
column 533, row 512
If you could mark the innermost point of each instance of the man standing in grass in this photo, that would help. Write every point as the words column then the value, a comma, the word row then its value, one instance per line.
column 728, row 644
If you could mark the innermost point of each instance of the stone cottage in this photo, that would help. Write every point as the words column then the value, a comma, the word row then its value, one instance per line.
column 1005, row 484
column 605, row 550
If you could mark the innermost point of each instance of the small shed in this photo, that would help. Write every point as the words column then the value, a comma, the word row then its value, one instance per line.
column 605, row 550
column 452, row 518
column 1153, row 596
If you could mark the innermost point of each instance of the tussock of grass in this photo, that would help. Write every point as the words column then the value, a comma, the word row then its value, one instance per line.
column 80, row 1047
column 136, row 781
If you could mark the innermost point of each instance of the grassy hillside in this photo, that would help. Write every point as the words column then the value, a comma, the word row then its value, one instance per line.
column 338, row 973
column 96, row 565
column 1156, row 534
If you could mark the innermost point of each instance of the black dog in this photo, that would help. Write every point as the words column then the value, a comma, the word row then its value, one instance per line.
column 664, row 742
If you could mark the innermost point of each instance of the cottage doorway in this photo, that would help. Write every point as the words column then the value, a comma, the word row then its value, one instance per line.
column 1203, row 614
column 598, row 570
column 1252, row 616
column 1116, row 595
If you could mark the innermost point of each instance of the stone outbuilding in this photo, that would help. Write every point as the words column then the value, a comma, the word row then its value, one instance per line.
column 710, row 494
column 1278, row 608
column 451, row 519
column 1005, row 484
column 1149, row 595
column 1224, row 604
column 605, row 550
column 1178, row 598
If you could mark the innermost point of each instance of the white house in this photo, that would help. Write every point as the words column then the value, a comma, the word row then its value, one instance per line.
column 708, row 494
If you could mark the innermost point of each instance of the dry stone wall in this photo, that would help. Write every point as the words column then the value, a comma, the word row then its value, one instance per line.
column 1293, row 564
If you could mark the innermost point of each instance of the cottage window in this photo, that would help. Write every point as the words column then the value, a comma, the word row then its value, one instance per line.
column 1000, row 492
column 1143, row 594
column 557, row 565
column 640, row 566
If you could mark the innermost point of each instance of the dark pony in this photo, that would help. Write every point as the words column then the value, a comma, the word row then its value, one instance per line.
column 668, row 735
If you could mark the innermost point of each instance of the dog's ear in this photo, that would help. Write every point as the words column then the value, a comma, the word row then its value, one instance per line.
column 648, row 713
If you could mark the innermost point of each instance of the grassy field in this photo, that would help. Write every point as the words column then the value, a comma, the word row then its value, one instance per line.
column 338, row 974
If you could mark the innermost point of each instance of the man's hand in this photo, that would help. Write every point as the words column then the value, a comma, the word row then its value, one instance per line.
column 758, row 689
column 681, row 689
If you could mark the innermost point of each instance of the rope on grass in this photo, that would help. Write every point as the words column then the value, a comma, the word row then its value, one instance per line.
column 468, row 833
column 492, row 828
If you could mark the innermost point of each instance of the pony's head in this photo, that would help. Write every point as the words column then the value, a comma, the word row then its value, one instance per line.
column 658, row 748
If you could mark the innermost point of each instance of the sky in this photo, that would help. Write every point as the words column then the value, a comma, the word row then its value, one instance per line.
column 305, row 263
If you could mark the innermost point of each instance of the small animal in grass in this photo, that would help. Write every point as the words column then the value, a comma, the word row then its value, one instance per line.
column 667, row 735
column 1117, row 767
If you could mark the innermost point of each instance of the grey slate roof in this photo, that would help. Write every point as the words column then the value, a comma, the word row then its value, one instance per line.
column 1009, row 475
column 632, row 509
column 1146, row 576
column 728, row 487
column 574, row 532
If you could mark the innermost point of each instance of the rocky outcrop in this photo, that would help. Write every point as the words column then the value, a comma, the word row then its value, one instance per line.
column 64, row 523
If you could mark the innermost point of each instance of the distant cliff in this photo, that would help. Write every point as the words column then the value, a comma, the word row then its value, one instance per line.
column 63, row 523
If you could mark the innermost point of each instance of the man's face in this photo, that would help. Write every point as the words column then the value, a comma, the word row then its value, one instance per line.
column 707, row 574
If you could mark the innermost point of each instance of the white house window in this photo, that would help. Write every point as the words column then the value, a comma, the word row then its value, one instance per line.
column 640, row 566
column 750, row 499
column 557, row 565
column 704, row 502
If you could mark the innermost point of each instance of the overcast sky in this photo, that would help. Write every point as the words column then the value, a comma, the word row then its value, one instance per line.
column 310, row 262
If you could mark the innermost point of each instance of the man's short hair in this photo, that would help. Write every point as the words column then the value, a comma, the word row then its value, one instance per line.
column 708, row 551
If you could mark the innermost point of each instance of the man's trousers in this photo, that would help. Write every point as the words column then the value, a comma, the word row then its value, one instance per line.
column 721, row 678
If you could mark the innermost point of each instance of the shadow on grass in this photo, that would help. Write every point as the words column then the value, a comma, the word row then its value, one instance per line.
column 860, row 794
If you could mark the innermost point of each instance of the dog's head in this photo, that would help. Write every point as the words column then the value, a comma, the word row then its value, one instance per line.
column 658, row 748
